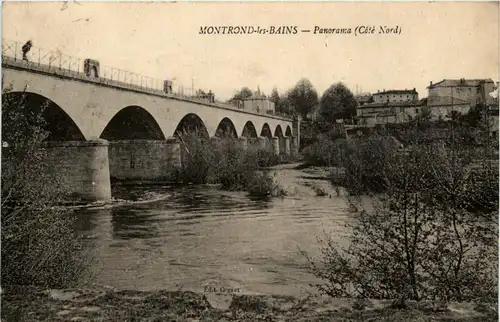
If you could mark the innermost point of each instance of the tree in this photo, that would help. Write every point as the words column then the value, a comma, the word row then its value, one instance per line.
column 303, row 97
column 245, row 92
column 418, row 239
column 424, row 116
column 476, row 116
column 275, row 98
column 337, row 102
column 39, row 243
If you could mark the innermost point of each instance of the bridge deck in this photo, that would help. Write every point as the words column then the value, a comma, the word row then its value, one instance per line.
column 16, row 63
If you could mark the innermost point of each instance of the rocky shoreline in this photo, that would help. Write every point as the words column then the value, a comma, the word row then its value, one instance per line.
column 107, row 304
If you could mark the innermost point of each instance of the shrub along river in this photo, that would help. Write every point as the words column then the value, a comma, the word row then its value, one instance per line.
column 198, row 237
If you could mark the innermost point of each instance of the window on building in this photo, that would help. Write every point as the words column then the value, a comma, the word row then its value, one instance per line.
column 416, row 110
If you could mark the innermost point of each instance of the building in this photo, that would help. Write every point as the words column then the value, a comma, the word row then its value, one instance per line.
column 395, row 96
column 373, row 114
column 259, row 102
column 459, row 95
column 393, row 106
column 315, row 113
column 364, row 98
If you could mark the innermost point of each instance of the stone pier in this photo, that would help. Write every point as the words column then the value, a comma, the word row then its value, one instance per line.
column 262, row 142
column 244, row 142
column 286, row 145
column 294, row 147
column 296, row 131
column 81, row 167
column 281, row 141
column 143, row 159
column 275, row 143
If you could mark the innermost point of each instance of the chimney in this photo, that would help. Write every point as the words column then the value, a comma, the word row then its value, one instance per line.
column 430, row 84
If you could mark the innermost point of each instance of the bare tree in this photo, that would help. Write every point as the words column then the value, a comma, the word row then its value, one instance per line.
column 421, row 237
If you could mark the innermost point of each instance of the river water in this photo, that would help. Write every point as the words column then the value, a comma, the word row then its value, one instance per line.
column 198, row 236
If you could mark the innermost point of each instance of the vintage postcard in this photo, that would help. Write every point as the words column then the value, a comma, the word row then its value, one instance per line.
column 249, row 161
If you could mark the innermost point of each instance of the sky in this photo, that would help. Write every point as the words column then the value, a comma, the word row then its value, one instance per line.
column 438, row 40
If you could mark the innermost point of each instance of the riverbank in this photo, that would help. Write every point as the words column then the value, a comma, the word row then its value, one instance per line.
column 106, row 304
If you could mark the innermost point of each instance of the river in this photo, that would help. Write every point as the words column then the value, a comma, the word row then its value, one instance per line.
column 197, row 236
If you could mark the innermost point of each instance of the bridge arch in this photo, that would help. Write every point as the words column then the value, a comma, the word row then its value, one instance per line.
column 266, row 131
column 249, row 130
column 278, row 132
column 288, row 131
column 226, row 128
column 132, row 123
column 40, row 111
column 191, row 123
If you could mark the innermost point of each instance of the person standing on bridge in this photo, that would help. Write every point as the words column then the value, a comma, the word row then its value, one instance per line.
column 26, row 48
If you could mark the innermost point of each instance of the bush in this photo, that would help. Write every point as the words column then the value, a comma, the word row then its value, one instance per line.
column 39, row 244
column 265, row 158
column 365, row 164
column 198, row 158
column 325, row 152
column 419, row 241
column 261, row 185
column 223, row 161
column 234, row 167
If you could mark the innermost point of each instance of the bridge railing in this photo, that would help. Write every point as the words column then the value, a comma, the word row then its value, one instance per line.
column 40, row 56
column 55, row 60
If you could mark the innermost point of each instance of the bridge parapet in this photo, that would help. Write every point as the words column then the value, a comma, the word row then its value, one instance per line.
column 55, row 63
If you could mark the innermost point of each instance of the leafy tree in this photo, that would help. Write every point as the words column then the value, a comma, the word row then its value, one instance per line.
column 275, row 98
column 424, row 115
column 303, row 97
column 245, row 92
column 455, row 115
column 284, row 105
column 338, row 102
column 476, row 116
column 39, row 243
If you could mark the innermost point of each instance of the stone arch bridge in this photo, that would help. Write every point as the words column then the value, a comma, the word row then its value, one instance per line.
column 102, row 128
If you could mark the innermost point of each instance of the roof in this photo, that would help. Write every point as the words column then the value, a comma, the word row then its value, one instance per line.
column 363, row 98
column 256, row 97
column 394, row 104
column 397, row 91
column 376, row 114
column 461, row 82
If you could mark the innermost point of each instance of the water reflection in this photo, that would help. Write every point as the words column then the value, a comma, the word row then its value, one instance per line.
column 130, row 223
column 201, row 235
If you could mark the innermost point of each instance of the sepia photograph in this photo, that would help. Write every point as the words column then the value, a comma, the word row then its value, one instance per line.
column 249, row 161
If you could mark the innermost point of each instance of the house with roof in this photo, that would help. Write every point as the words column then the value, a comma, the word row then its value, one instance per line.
column 373, row 114
column 459, row 95
column 258, row 102
column 364, row 98
column 395, row 96
column 392, row 106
